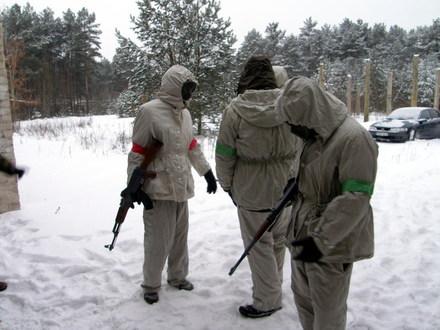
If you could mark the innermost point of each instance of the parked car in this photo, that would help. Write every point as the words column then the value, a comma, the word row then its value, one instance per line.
column 405, row 124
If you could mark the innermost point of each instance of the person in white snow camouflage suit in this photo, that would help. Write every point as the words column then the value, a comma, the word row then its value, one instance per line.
column 254, row 152
column 168, row 120
column 332, row 219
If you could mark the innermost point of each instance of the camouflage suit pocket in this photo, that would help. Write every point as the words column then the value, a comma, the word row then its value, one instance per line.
column 314, row 217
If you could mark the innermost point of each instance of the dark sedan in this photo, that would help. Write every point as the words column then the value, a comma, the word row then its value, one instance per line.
column 405, row 124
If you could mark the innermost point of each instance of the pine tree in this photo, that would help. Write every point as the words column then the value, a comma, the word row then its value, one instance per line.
column 20, row 61
column 274, row 39
column 253, row 44
column 142, row 79
column 290, row 56
column 189, row 33
column 308, row 45
column 82, row 47
column 48, row 41
column 52, row 61
column 353, row 39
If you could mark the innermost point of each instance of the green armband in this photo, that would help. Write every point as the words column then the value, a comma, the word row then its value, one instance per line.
column 354, row 185
column 223, row 150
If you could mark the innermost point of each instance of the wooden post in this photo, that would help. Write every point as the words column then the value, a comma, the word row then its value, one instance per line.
column 437, row 89
column 389, row 92
column 9, row 199
column 367, row 90
column 415, row 79
column 357, row 105
column 321, row 75
column 348, row 95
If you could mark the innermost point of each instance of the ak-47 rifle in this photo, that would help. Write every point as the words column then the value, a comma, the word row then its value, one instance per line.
column 133, row 193
column 288, row 195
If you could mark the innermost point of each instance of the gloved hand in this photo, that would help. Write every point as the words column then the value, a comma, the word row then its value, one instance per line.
column 310, row 252
column 138, row 196
column 134, row 189
column 212, row 183
column 13, row 170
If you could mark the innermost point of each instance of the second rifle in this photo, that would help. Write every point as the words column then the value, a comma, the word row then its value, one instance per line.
column 288, row 195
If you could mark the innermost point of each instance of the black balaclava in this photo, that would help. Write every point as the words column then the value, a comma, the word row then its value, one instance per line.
column 257, row 74
column 188, row 89
column 305, row 133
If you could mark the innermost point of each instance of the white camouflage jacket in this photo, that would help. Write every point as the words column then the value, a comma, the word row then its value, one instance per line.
column 167, row 120
column 336, row 174
column 254, row 150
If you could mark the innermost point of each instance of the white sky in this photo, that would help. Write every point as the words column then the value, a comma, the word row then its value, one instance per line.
column 248, row 14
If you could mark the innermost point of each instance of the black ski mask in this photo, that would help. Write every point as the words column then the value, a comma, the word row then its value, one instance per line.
column 188, row 89
column 305, row 133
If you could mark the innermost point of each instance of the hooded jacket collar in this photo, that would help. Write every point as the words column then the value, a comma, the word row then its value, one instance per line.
column 258, row 107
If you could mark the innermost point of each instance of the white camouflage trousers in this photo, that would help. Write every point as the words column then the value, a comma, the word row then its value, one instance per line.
column 165, row 236
column 266, row 259
column 320, row 292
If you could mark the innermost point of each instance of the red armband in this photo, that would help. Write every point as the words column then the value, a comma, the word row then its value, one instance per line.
column 193, row 144
column 138, row 149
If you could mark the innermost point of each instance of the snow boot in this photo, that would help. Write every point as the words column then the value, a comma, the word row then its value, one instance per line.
column 250, row 311
column 151, row 297
column 184, row 285
column 3, row 286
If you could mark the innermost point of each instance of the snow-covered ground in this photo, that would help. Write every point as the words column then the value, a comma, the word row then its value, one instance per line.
column 60, row 275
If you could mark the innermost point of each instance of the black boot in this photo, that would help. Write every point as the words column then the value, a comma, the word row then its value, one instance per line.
column 151, row 297
column 184, row 285
column 3, row 286
column 250, row 311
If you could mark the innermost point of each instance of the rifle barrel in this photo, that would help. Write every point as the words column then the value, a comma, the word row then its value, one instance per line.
column 245, row 253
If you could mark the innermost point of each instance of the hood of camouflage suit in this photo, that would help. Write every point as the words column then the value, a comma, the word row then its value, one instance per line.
column 280, row 75
column 171, row 87
column 303, row 102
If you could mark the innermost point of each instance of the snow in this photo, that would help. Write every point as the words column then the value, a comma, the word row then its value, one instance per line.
column 60, row 276
column 393, row 123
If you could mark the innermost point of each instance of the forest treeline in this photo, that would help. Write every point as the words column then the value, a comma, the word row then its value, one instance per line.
column 55, row 67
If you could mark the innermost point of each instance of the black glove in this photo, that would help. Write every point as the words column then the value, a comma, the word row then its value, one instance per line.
column 212, row 183
column 138, row 196
column 134, row 190
column 310, row 252
column 13, row 170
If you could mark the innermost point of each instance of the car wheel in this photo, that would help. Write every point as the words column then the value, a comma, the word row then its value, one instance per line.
column 411, row 135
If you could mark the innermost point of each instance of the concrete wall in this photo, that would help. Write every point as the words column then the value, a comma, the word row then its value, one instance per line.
column 9, row 198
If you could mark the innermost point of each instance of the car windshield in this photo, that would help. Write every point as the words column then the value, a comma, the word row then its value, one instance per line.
column 405, row 113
